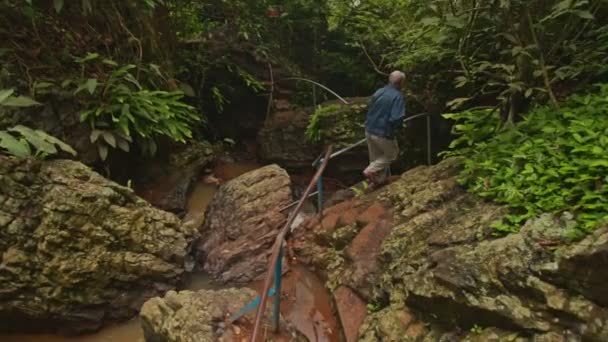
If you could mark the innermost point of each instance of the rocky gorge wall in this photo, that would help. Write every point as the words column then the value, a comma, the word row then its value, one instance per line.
column 77, row 250
column 419, row 261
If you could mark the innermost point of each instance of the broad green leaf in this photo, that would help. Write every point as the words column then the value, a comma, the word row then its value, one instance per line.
column 91, row 85
column 62, row 145
column 125, row 110
column 13, row 146
column 20, row 101
column 80, row 88
column 109, row 138
column 109, row 62
column 103, row 151
column 562, row 5
column 5, row 94
column 43, row 85
column 456, row 103
column 598, row 162
column 84, row 115
column 123, row 145
column 89, row 57
column 31, row 136
column 95, row 135
column 584, row 15
column 58, row 5
column 133, row 80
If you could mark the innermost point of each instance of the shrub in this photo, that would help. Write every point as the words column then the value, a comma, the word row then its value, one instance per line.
column 553, row 161
column 120, row 110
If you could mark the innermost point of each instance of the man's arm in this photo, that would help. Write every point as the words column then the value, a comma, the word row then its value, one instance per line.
column 397, row 112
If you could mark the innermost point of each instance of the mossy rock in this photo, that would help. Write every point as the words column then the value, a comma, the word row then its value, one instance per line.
column 338, row 124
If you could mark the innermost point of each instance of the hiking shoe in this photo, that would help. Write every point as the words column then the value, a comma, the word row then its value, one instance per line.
column 371, row 177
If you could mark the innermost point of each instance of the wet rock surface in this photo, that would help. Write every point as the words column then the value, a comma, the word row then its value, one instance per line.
column 352, row 311
column 241, row 224
column 282, row 140
column 422, row 254
column 78, row 250
column 167, row 184
column 189, row 316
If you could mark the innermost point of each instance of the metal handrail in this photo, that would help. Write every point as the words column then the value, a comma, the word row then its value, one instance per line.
column 362, row 141
column 316, row 84
column 277, row 249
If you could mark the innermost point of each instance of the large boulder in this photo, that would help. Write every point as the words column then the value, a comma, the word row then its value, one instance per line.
column 77, row 250
column 241, row 224
column 189, row 316
column 423, row 254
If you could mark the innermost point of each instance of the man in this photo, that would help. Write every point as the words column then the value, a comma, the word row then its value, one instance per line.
column 385, row 114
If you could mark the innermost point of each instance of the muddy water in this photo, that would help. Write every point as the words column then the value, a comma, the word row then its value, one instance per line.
column 306, row 303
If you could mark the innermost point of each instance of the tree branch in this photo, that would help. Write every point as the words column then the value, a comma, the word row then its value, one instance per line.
column 371, row 60
column 541, row 59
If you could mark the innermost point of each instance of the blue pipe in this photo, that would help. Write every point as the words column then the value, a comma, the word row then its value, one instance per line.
column 276, row 309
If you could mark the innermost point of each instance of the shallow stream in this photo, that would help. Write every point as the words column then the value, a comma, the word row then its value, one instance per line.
column 306, row 303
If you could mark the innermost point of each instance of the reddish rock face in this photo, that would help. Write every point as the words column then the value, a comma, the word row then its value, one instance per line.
column 352, row 311
column 371, row 214
column 364, row 252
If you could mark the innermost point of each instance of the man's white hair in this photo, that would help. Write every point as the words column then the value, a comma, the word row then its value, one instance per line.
column 396, row 77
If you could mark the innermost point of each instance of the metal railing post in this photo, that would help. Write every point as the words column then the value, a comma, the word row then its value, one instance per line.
column 428, row 141
column 320, row 194
column 276, row 309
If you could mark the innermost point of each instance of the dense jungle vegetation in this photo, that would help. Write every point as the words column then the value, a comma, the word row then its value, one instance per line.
column 524, row 81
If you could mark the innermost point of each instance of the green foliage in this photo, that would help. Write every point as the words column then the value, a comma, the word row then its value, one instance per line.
column 374, row 307
column 120, row 110
column 337, row 124
column 553, row 161
column 314, row 129
column 7, row 99
column 518, row 51
column 473, row 126
column 476, row 329
column 21, row 141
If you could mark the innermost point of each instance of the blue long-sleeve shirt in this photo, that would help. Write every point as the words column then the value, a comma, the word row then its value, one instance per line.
column 386, row 112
